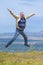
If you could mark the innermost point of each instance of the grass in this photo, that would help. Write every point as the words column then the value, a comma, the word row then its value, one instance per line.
column 21, row 58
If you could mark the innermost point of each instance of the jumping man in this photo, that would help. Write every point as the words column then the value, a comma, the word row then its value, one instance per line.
column 20, row 26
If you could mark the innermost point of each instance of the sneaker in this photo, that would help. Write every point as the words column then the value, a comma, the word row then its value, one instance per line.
column 27, row 45
column 6, row 46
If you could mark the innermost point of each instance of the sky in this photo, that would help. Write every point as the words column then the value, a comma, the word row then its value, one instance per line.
column 8, row 23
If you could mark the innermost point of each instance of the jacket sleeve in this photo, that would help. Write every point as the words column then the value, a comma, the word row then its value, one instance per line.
column 29, row 16
column 13, row 14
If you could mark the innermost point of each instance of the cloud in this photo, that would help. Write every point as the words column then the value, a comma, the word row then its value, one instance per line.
column 32, row 0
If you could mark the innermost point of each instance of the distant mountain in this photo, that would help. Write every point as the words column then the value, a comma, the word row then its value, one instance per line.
column 6, row 34
column 41, row 32
column 33, row 34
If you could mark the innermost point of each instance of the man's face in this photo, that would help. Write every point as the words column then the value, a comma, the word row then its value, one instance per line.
column 21, row 14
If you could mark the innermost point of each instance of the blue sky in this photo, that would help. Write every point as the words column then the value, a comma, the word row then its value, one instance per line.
column 8, row 23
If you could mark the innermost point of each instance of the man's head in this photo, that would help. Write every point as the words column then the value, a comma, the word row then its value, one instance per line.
column 21, row 14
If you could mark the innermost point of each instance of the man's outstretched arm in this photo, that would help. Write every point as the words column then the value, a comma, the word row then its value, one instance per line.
column 30, row 15
column 12, row 13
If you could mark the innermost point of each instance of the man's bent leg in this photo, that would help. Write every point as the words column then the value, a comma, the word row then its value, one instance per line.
column 13, row 39
column 25, row 38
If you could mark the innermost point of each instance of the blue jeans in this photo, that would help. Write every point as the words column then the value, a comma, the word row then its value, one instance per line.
column 16, row 35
